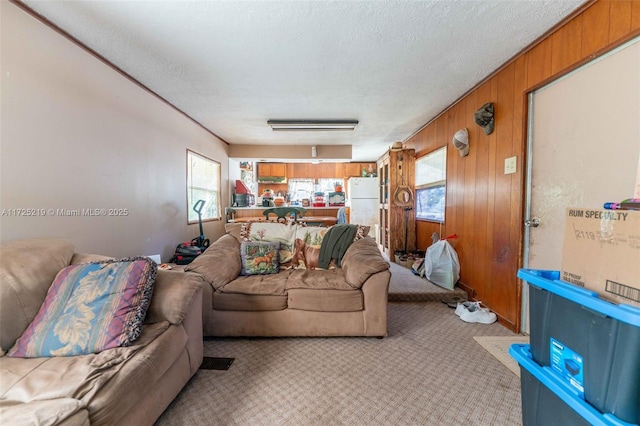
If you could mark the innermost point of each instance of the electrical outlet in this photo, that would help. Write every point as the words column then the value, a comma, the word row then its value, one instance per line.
column 510, row 165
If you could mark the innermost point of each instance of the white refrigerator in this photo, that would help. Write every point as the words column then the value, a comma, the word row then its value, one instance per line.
column 363, row 202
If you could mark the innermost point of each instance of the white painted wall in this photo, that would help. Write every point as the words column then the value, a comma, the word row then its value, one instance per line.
column 76, row 134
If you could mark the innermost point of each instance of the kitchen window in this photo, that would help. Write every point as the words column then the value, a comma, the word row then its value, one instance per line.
column 431, row 179
column 203, row 183
column 306, row 188
column 329, row 185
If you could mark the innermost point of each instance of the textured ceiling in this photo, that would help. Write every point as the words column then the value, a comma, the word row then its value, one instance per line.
column 232, row 65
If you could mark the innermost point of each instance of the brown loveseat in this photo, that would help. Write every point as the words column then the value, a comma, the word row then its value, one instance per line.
column 121, row 386
column 350, row 300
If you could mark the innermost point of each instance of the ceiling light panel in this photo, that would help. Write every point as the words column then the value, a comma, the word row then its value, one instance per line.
column 311, row 125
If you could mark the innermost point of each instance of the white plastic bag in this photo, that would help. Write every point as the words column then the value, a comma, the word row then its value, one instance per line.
column 441, row 265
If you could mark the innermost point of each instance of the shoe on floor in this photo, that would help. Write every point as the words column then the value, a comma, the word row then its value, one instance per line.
column 453, row 301
column 481, row 315
column 467, row 306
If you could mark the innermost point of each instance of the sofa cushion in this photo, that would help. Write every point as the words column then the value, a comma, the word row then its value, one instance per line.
column 89, row 308
column 259, row 257
column 272, row 284
column 361, row 260
column 107, row 383
column 325, row 300
column 318, row 279
column 220, row 263
column 62, row 411
column 165, row 355
column 322, row 290
column 234, row 229
column 284, row 233
column 248, row 302
column 27, row 270
column 253, row 293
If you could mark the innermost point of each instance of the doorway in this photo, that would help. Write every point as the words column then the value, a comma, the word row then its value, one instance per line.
column 583, row 149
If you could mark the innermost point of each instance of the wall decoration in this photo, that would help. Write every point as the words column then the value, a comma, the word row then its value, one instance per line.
column 461, row 142
column 484, row 118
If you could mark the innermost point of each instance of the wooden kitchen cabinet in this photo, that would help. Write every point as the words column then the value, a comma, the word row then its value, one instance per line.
column 352, row 170
column 314, row 171
column 355, row 169
column 397, row 216
column 272, row 170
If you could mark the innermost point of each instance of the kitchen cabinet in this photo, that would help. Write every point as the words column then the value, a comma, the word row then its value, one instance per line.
column 272, row 169
column 313, row 171
column 355, row 169
column 272, row 172
column 397, row 216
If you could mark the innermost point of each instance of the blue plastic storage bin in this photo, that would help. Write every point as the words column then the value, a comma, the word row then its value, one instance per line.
column 548, row 401
column 592, row 345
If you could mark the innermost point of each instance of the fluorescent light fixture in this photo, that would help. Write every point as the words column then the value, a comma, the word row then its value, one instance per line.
column 312, row 125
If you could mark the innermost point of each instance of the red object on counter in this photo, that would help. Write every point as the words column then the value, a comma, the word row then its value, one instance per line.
column 241, row 188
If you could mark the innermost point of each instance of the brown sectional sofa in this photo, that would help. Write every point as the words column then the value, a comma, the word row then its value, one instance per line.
column 126, row 385
column 350, row 300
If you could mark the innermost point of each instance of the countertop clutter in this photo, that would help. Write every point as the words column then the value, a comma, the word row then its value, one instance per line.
column 260, row 208
column 324, row 216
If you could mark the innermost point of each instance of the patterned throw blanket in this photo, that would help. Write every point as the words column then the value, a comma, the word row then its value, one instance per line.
column 335, row 243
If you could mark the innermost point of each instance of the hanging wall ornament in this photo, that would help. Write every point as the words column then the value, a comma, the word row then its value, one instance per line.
column 461, row 142
column 484, row 118
column 403, row 195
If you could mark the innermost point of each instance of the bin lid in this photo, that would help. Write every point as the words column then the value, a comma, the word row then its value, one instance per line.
column 550, row 281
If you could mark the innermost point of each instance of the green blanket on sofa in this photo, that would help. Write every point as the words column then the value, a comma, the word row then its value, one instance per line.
column 335, row 243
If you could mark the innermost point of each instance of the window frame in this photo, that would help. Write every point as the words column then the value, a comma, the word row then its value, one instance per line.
column 216, row 190
column 437, row 182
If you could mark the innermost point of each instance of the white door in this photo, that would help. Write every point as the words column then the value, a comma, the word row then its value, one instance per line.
column 583, row 150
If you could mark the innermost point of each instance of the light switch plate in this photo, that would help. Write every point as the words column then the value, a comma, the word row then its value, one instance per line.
column 510, row 165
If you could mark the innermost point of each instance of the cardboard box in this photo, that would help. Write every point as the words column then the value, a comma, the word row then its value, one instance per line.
column 601, row 252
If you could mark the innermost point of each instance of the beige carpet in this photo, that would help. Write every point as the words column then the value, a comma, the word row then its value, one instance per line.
column 427, row 371
column 498, row 346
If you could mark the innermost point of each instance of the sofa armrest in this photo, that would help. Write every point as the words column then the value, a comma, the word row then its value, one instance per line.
column 375, row 291
column 173, row 292
column 220, row 263
column 361, row 260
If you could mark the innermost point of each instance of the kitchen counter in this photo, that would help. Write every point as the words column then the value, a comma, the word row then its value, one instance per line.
column 242, row 213
column 306, row 208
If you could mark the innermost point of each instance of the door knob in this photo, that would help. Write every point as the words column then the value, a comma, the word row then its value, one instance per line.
column 532, row 222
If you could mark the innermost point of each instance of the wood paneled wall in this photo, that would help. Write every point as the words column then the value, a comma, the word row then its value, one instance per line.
column 485, row 206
